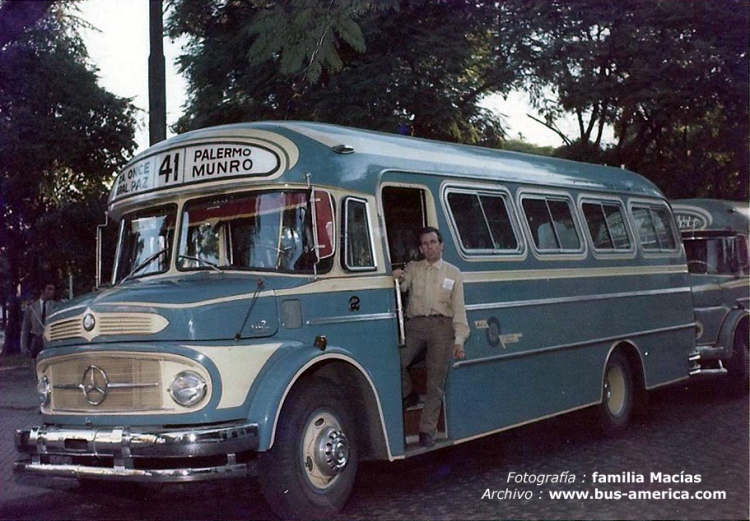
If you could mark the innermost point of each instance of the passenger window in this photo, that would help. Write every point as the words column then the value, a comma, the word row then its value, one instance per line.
column 662, row 222
column 606, row 226
column 551, row 224
column 499, row 222
column 482, row 221
column 358, row 254
column 644, row 225
column 654, row 227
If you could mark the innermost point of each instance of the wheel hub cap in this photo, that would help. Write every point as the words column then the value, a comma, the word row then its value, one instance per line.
column 332, row 452
column 614, row 391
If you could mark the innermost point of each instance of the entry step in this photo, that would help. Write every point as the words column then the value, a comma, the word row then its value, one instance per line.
column 413, row 448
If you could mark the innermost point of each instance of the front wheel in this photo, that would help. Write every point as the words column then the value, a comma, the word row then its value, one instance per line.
column 617, row 396
column 310, row 470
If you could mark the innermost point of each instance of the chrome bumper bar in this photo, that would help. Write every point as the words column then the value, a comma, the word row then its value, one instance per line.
column 24, row 468
column 707, row 353
column 128, row 454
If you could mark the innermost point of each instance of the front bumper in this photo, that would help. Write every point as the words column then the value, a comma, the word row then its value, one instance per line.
column 708, row 360
column 139, row 454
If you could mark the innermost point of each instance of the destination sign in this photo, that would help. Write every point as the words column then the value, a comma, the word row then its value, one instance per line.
column 194, row 164
column 690, row 219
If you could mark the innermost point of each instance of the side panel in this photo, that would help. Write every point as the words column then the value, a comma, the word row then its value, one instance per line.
column 363, row 335
column 542, row 325
column 536, row 350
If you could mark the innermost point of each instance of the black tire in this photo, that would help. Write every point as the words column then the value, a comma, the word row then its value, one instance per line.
column 310, row 470
column 618, row 396
column 737, row 366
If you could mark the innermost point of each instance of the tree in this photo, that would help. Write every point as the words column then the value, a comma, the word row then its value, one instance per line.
column 670, row 77
column 61, row 138
column 420, row 69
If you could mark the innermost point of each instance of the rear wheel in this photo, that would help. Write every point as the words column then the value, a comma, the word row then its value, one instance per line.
column 310, row 470
column 617, row 396
column 737, row 366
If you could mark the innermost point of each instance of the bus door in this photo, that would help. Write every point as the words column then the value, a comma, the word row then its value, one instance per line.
column 404, row 213
column 407, row 209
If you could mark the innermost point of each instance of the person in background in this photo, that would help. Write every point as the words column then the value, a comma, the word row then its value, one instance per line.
column 437, row 323
column 34, row 319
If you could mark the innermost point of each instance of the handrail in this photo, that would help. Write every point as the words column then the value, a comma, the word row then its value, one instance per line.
column 400, row 315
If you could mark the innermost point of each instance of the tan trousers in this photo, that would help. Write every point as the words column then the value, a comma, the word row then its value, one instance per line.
column 435, row 334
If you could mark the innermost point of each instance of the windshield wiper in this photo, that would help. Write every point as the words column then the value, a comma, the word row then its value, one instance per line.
column 208, row 263
column 145, row 263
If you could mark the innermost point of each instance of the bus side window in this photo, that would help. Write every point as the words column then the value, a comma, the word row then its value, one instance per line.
column 606, row 226
column 663, row 225
column 654, row 228
column 470, row 221
column 551, row 224
column 358, row 254
column 645, row 227
column 482, row 222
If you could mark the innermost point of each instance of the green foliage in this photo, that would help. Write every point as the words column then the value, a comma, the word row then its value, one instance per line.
column 518, row 145
column 61, row 138
column 304, row 33
column 670, row 77
column 423, row 70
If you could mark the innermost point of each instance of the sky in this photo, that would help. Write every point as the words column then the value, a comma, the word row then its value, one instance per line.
column 119, row 48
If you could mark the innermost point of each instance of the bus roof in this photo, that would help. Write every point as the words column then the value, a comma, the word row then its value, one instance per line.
column 346, row 157
column 711, row 215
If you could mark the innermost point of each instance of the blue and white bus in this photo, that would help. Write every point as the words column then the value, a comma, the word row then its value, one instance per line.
column 252, row 326
column 715, row 234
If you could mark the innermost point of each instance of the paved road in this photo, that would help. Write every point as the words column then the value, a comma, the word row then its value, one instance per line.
column 691, row 430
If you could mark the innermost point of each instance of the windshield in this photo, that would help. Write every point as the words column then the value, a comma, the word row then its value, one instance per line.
column 717, row 255
column 145, row 243
column 259, row 230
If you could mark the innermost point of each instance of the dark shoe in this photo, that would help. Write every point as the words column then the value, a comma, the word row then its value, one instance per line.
column 411, row 400
column 425, row 440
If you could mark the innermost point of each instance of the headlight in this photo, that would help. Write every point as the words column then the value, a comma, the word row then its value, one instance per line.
column 44, row 391
column 188, row 388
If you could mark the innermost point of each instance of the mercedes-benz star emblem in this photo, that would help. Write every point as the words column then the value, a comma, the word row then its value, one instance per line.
column 95, row 385
column 89, row 322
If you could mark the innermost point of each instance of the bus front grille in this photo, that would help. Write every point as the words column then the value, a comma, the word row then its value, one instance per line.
column 105, row 324
column 106, row 384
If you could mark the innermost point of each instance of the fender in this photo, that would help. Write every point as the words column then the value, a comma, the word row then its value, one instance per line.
column 270, row 389
column 729, row 327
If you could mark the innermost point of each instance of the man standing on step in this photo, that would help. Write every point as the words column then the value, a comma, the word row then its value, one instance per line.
column 437, row 323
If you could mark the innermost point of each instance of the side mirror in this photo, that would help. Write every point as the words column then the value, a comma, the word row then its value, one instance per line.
column 106, row 242
column 323, row 224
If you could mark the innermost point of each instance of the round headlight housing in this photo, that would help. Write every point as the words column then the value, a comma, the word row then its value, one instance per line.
column 44, row 391
column 188, row 388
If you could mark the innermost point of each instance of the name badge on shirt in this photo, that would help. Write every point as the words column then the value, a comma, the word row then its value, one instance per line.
column 448, row 284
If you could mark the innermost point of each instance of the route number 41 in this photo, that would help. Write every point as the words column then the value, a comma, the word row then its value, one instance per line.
column 167, row 168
